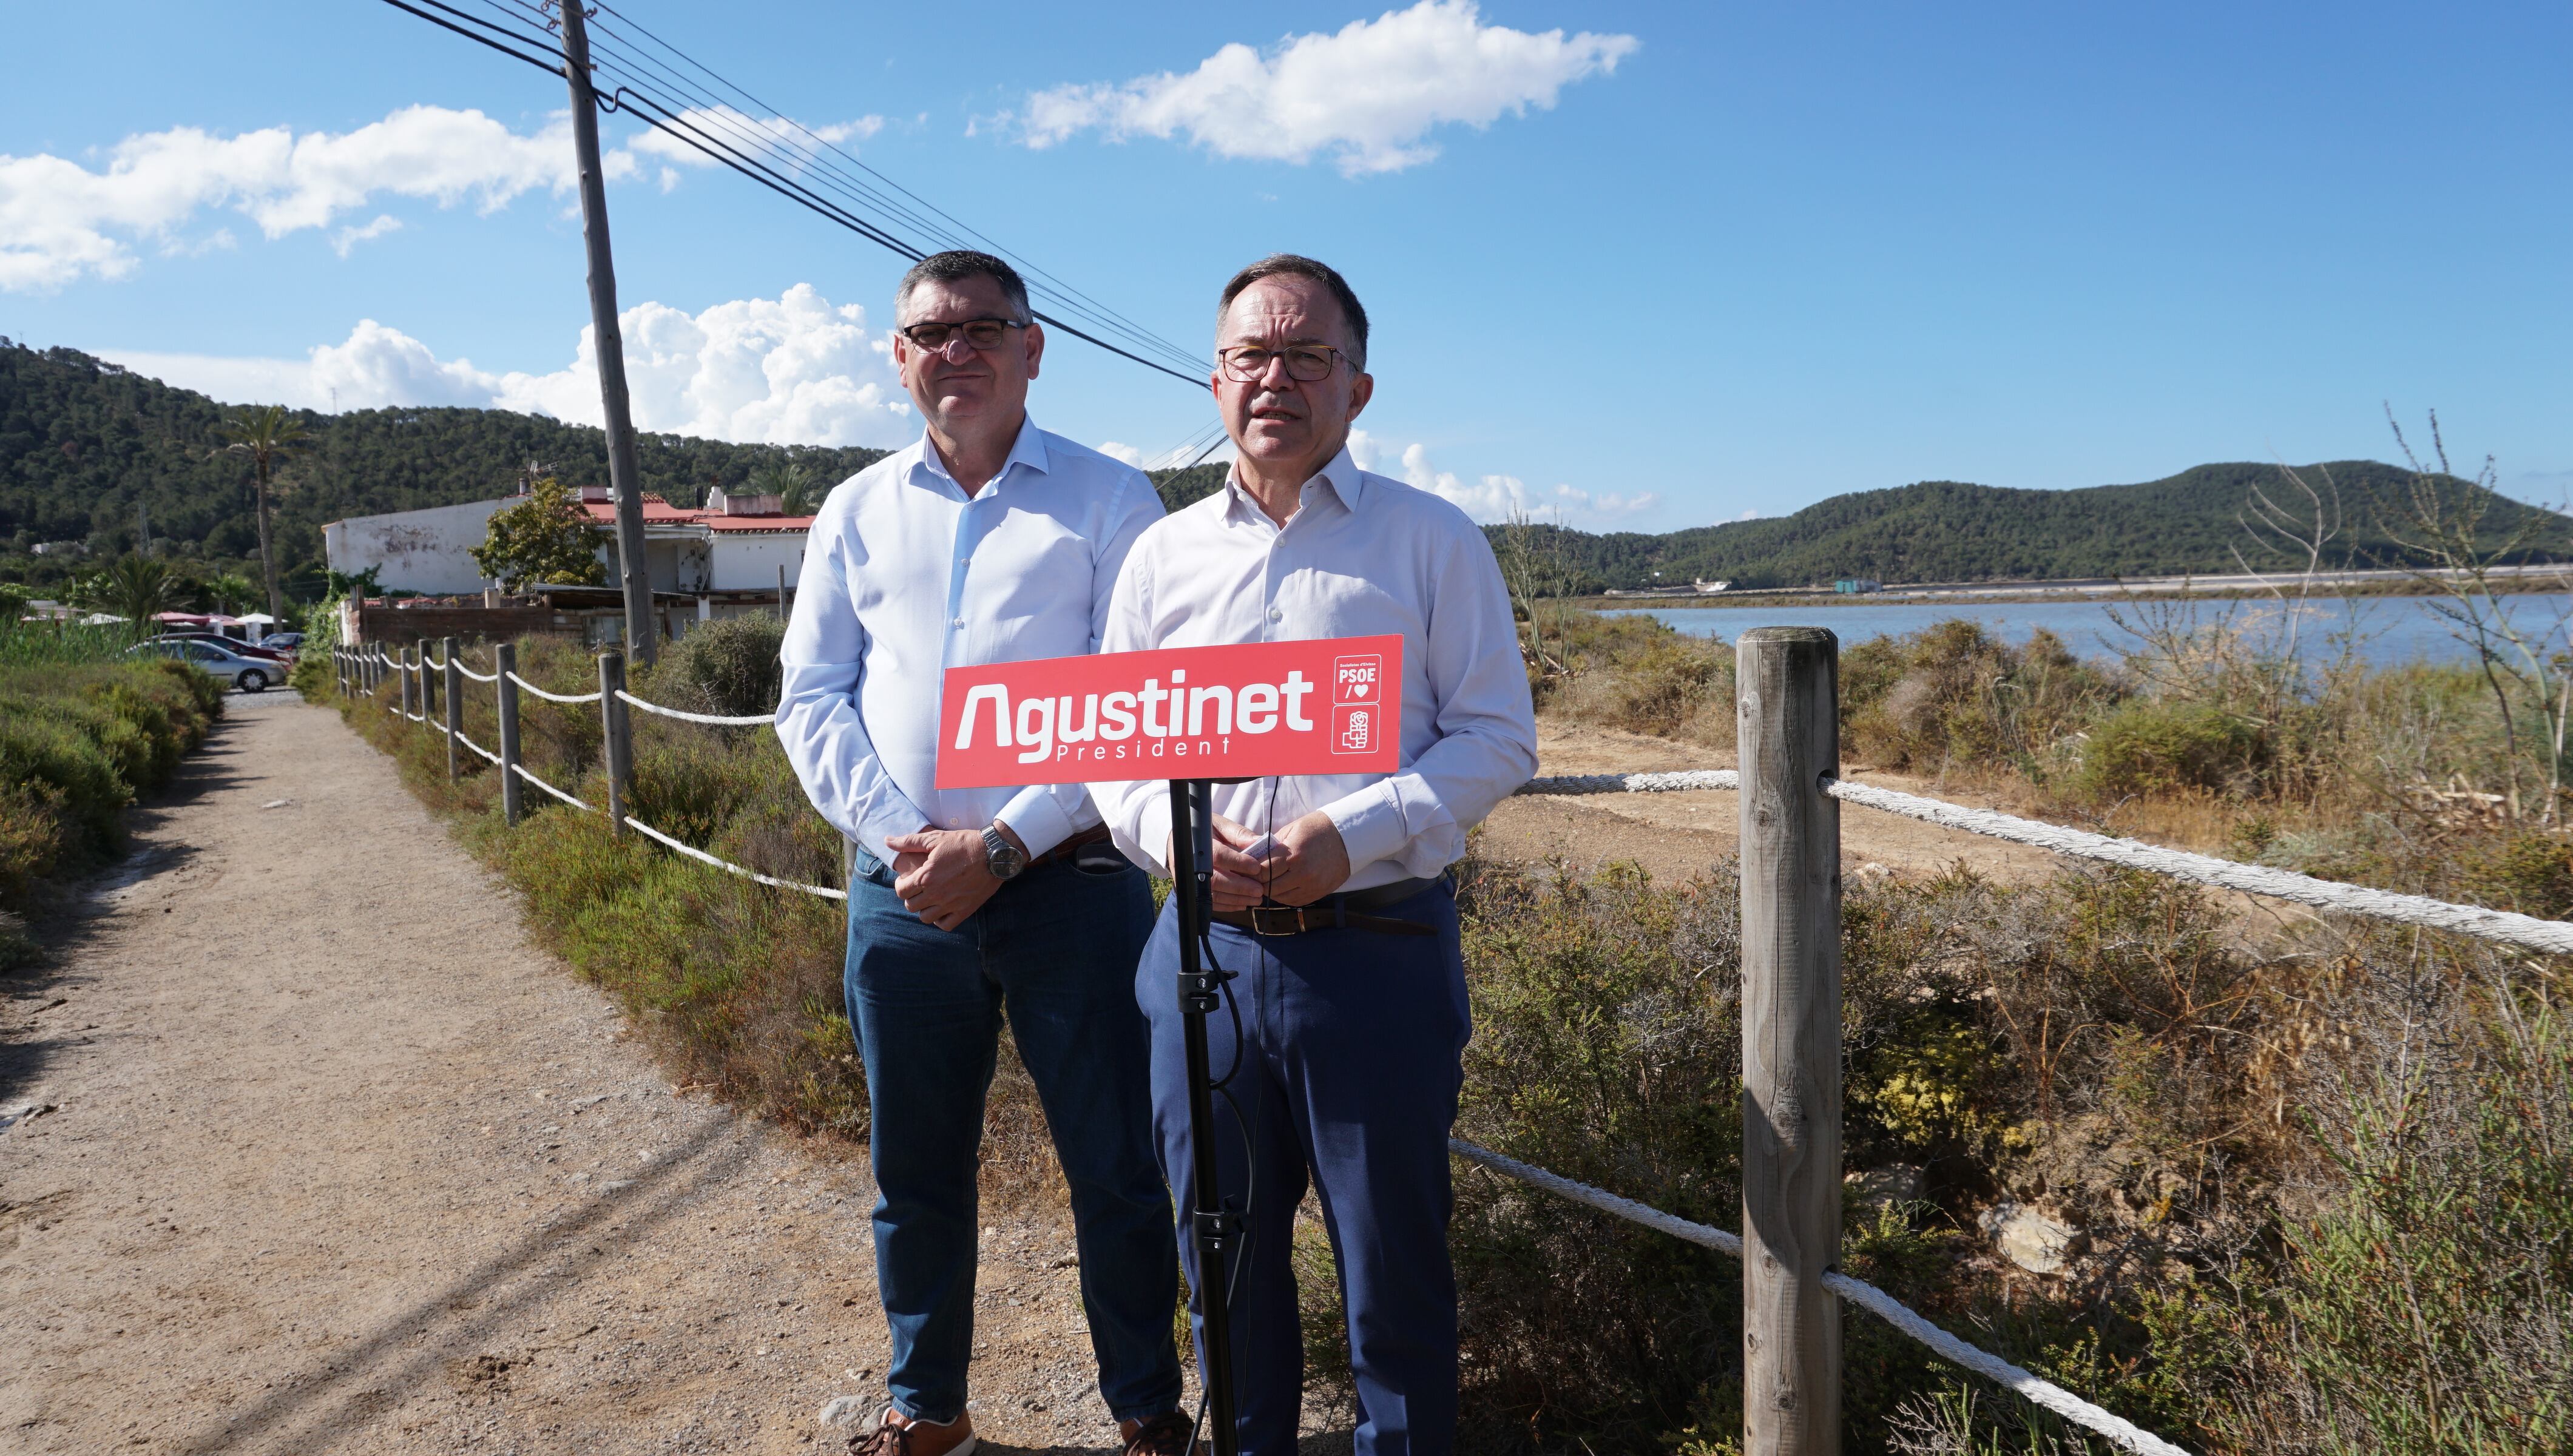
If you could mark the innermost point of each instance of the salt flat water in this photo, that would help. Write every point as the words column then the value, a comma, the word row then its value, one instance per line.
column 2390, row 630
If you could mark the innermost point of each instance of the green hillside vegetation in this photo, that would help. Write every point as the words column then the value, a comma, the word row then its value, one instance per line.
column 90, row 452
column 1946, row 530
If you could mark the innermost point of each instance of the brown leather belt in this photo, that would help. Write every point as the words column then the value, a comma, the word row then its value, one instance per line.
column 1071, row 847
column 1337, row 912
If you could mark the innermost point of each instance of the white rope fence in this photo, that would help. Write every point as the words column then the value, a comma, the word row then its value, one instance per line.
column 553, row 698
column 1857, row 1291
column 715, row 720
column 477, row 676
column 1670, row 783
column 477, row 747
column 551, row 789
column 640, row 827
column 2551, row 935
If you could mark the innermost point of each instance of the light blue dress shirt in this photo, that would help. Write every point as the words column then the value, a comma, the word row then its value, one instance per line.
column 906, row 576
column 1362, row 555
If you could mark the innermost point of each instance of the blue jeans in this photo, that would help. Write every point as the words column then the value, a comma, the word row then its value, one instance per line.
column 1055, row 952
column 1350, row 1045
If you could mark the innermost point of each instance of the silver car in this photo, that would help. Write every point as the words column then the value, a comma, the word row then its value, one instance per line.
column 249, row 674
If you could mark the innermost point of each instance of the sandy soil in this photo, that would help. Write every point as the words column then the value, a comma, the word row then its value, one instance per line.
column 329, row 1158
column 1675, row 835
column 339, row 1162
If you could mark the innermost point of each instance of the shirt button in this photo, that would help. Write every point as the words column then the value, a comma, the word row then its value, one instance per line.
column 1277, row 614
column 960, row 621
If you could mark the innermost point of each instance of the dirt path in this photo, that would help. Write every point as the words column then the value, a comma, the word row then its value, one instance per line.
column 339, row 1162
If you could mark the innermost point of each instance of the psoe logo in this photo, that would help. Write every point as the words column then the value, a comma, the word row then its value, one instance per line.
column 1354, row 728
column 1357, row 679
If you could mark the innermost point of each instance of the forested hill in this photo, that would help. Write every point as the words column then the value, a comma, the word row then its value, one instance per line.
column 84, row 443
column 1945, row 530
column 88, row 450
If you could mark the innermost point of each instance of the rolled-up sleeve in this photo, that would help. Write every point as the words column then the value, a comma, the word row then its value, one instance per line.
column 1045, row 815
column 823, row 661
column 1486, row 744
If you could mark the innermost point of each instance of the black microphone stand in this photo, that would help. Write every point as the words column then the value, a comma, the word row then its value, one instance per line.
column 1218, row 1232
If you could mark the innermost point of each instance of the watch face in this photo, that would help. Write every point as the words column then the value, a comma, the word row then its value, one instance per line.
column 1003, row 858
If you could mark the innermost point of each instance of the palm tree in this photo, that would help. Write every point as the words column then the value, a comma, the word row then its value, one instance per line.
column 138, row 589
column 232, row 592
column 789, row 481
column 268, row 435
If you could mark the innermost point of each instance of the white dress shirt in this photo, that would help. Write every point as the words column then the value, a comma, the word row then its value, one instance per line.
column 906, row 576
column 1363, row 555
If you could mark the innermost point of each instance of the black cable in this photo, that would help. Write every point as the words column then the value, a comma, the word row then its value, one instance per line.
column 1109, row 317
column 669, row 122
column 553, row 68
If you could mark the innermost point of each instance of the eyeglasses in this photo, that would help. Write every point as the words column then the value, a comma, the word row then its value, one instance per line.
column 1248, row 363
column 980, row 333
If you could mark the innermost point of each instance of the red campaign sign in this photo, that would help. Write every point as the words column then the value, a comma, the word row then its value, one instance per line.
column 1332, row 706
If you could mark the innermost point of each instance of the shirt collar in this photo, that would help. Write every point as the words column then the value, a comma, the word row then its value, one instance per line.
column 1341, row 473
column 1029, row 450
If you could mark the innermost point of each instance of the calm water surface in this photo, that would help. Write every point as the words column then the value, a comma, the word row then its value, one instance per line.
column 2391, row 629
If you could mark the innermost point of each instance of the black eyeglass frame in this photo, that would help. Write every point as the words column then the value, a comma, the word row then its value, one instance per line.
column 1223, row 361
column 960, row 325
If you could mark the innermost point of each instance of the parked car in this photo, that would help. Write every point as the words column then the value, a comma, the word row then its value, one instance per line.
column 287, row 642
column 235, row 645
column 249, row 674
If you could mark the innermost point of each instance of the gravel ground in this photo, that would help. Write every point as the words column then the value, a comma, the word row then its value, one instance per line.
column 304, row 1148
column 336, row 1162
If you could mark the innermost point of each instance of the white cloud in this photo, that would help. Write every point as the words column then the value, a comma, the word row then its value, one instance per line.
column 1495, row 497
column 61, row 222
column 347, row 238
column 1748, row 515
column 784, row 140
column 1129, row 453
column 787, row 370
column 1366, row 95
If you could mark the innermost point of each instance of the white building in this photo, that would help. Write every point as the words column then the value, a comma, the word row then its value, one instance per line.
column 735, row 544
column 414, row 551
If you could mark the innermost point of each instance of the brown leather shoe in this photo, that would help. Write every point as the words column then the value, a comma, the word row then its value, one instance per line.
column 1169, row 1434
column 919, row 1438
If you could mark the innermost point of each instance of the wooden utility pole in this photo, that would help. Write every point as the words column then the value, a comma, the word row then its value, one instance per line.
column 624, row 476
column 1786, row 689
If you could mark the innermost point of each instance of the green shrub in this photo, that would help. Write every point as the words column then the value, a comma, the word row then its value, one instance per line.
column 726, row 666
column 1951, row 696
column 78, row 741
column 1636, row 674
column 2163, row 747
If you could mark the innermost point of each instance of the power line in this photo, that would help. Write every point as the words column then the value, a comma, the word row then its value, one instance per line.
column 724, row 134
column 962, row 232
column 674, row 122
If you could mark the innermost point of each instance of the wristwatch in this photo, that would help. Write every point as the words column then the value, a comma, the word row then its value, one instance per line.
column 1004, row 858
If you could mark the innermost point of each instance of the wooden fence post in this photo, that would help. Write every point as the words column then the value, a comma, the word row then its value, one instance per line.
column 619, row 735
column 781, row 591
column 454, row 688
column 1787, row 692
column 505, row 661
column 402, row 671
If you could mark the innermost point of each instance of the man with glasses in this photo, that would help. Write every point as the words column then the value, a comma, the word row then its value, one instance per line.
column 988, row 540
column 1335, row 910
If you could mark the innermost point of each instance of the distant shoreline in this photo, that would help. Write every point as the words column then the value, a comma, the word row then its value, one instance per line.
column 1896, row 596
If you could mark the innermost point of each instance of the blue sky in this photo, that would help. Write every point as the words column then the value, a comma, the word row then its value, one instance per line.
column 1701, row 260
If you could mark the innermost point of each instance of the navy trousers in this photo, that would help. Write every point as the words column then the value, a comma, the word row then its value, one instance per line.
column 1055, row 952
column 1348, row 1071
